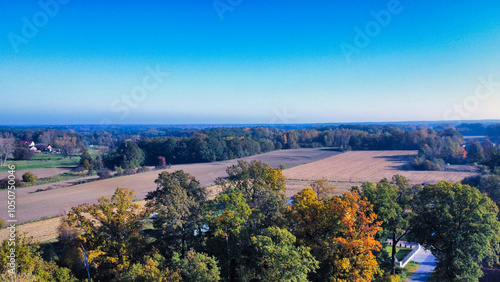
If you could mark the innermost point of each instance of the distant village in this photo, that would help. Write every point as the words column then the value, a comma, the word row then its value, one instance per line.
column 38, row 148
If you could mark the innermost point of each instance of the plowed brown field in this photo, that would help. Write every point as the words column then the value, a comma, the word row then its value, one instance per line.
column 360, row 166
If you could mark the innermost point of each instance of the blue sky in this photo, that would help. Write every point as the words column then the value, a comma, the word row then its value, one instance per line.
column 231, row 61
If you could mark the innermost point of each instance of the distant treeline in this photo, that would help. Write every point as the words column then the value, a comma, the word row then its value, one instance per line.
column 438, row 145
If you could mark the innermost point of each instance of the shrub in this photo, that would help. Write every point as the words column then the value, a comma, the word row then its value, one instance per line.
column 391, row 278
column 22, row 153
column 86, row 164
column 142, row 169
column 29, row 177
column 128, row 172
column 1, row 223
column 161, row 162
column 4, row 183
column 104, row 173
column 78, row 169
column 119, row 171
column 419, row 163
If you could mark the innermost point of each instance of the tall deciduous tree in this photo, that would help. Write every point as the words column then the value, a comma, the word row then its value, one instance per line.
column 279, row 259
column 263, row 188
column 353, row 248
column 178, row 201
column 227, row 220
column 340, row 232
column 28, row 262
column 85, row 156
column 47, row 137
column 196, row 267
column 152, row 270
column 391, row 202
column 110, row 232
column 68, row 145
column 322, row 188
column 129, row 155
column 7, row 147
column 459, row 225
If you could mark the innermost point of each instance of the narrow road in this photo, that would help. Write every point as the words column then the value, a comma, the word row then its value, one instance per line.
column 427, row 264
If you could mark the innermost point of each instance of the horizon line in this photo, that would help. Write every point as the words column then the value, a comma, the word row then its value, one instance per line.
column 259, row 124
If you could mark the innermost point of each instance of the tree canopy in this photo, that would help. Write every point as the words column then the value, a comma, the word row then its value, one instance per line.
column 109, row 232
column 459, row 225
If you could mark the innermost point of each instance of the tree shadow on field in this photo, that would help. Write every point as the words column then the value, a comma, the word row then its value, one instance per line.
column 400, row 162
column 331, row 149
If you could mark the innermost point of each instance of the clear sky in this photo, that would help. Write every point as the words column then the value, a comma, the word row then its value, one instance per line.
column 248, row 61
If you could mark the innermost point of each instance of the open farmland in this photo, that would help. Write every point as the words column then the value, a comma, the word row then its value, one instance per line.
column 44, row 161
column 39, row 173
column 352, row 168
column 54, row 200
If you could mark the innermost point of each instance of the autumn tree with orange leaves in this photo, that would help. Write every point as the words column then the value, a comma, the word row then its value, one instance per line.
column 341, row 235
column 353, row 248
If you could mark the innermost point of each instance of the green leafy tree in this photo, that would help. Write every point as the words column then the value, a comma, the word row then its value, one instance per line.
column 459, row 225
column 30, row 265
column 178, row 201
column 96, row 164
column 279, row 259
column 85, row 156
column 227, row 219
column 475, row 152
column 152, row 270
column 129, row 156
column 110, row 232
column 263, row 189
column 196, row 267
column 23, row 153
column 391, row 202
column 489, row 184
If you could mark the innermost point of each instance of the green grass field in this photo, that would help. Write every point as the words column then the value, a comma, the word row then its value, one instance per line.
column 410, row 268
column 43, row 161
column 400, row 252
column 94, row 151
